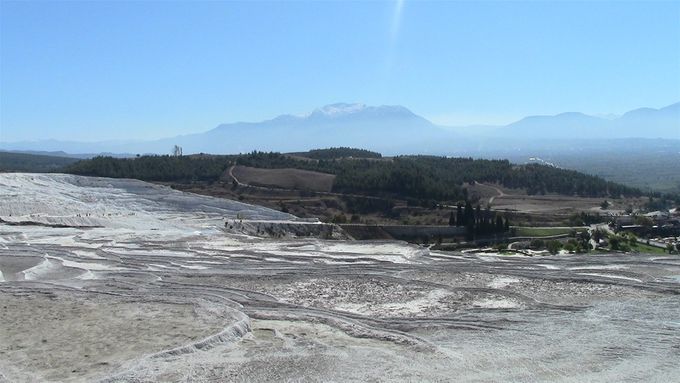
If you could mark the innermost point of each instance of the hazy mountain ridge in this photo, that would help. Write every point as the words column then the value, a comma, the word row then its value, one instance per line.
column 385, row 127
column 388, row 129
column 637, row 123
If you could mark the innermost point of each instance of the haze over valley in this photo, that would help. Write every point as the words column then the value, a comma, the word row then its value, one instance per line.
column 359, row 125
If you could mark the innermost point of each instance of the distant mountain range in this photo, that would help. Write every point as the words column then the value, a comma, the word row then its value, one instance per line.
column 638, row 123
column 387, row 129
column 381, row 127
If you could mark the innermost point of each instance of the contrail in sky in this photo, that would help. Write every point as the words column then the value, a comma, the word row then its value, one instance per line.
column 396, row 20
column 394, row 32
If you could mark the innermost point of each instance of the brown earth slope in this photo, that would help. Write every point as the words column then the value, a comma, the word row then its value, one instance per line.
column 284, row 178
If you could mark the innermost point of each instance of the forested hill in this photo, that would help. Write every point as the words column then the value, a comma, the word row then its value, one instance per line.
column 422, row 177
column 337, row 153
column 25, row 162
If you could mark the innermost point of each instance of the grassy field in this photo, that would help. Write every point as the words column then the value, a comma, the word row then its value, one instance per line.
column 541, row 231
column 647, row 249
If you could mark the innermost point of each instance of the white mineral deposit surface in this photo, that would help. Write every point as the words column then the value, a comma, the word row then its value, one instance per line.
column 119, row 280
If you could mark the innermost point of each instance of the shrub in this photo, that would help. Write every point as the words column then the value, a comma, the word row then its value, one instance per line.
column 554, row 246
column 537, row 244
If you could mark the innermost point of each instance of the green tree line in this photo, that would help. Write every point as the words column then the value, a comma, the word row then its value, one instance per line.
column 418, row 177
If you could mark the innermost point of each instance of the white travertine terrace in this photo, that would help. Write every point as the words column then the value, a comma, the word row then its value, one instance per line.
column 121, row 280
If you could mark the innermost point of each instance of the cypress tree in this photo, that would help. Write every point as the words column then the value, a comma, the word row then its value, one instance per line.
column 469, row 221
column 468, row 214
column 499, row 224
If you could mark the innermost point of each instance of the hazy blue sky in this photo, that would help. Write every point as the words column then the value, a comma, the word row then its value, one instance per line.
column 98, row 70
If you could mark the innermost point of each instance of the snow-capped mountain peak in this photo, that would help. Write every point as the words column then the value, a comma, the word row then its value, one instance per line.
column 340, row 109
column 360, row 111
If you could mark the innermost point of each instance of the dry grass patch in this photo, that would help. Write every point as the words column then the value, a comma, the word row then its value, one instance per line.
column 285, row 178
